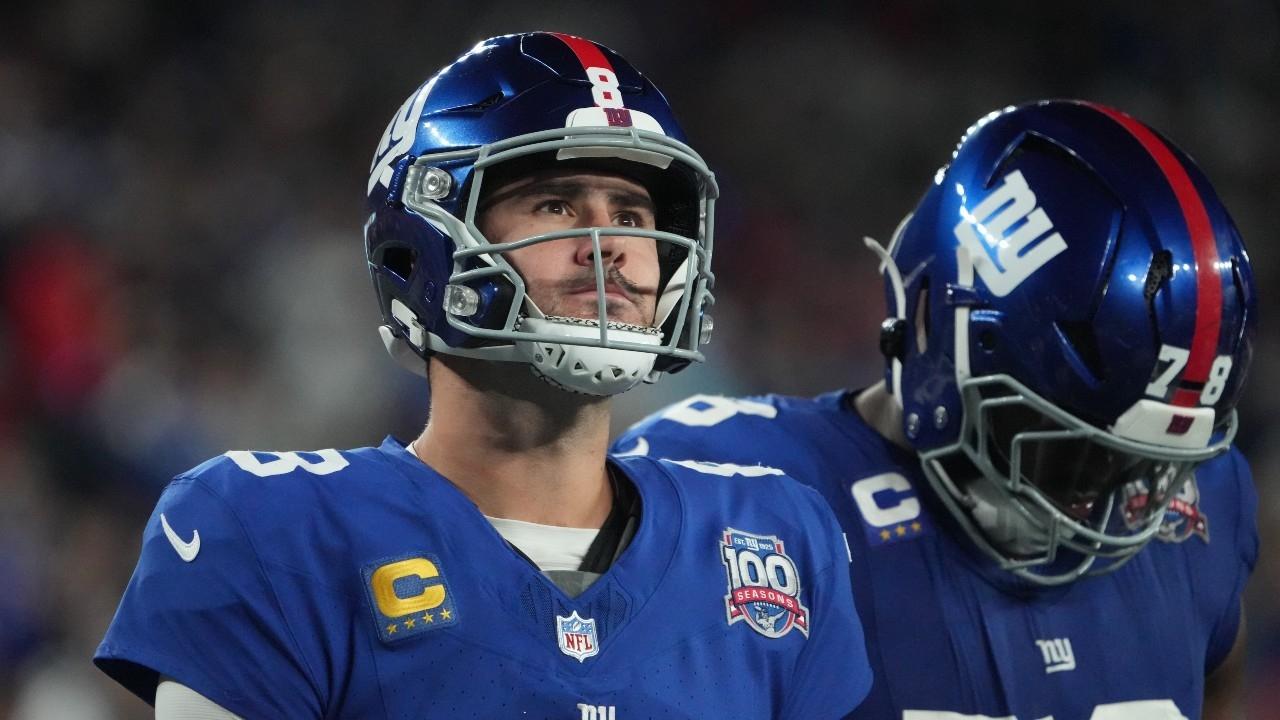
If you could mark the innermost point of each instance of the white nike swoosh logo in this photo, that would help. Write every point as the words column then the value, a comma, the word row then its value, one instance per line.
column 641, row 448
column 186, row 550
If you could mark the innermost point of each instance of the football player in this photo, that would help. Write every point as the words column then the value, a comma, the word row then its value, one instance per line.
column 1045, row 510
column 539, row 237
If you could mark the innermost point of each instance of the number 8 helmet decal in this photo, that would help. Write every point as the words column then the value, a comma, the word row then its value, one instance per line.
column 519, row 103
column 1074, row 311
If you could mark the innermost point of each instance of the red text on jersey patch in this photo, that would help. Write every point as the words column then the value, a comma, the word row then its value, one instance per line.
column 764, row 585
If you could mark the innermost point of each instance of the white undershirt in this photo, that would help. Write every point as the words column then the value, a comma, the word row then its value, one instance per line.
column 548, row 546
column 175, row 701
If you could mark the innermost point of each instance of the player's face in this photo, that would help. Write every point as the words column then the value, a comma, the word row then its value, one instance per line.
column 560, row 275
column 1075, row 473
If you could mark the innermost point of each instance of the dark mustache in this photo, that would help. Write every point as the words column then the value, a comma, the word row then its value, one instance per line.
column 611, row 274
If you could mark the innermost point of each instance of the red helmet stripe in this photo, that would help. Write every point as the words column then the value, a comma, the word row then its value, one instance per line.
column 588, row 53
column 1204, row 343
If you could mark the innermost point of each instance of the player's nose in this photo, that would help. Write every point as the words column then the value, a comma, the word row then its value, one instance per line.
column 613, row 251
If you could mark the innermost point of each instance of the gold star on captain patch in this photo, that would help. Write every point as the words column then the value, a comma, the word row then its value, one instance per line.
column 391, row 629
column 426, row 617
column 915, row 525
column 444, row 614
column 900, row 530
column 408, row 623
column 885, row 535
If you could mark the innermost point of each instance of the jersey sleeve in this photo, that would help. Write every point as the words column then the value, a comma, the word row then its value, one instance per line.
column 200, row 609
column 833, row 675
column 1246, row 547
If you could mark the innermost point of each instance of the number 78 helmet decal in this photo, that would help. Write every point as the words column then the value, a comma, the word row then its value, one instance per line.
column 519, row 104
column 1074, row 314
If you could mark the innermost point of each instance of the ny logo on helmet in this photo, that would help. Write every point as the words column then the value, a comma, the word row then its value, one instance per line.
column 398, row 138
column 1002, row 258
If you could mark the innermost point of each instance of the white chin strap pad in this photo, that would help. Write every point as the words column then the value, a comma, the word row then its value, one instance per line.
column 1006, row 527
column 585, row 369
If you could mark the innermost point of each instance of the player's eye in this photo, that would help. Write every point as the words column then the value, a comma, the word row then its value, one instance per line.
column 634, row 217
column 554, row 206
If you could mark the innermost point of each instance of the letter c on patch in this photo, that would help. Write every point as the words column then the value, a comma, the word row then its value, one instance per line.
column 906, row 506
column 391, row 604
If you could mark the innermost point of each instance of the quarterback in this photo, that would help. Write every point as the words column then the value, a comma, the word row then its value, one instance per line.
column 539, row 238
column 1046, row 513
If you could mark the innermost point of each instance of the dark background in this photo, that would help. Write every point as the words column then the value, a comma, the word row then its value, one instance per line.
column 181, row 269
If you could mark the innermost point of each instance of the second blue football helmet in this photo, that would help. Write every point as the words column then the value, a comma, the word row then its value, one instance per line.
column 1074, row 313
column 524, row 102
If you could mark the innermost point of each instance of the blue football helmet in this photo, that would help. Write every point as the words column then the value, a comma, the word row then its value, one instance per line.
column 518, row 104
column 1074, row 311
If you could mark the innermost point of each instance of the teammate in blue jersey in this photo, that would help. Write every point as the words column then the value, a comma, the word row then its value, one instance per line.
column 539, row 237
column 1046, row 515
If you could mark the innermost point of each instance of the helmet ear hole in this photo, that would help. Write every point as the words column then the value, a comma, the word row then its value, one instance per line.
column 987, row 340
column 399, row 261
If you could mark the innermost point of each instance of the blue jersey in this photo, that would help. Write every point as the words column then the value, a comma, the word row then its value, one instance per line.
column 949, row 632
column 362, row 584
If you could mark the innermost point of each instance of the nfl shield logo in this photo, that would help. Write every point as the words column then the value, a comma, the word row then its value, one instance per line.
column 577, row 636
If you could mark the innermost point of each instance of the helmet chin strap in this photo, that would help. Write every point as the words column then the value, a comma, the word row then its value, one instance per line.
column 584, row 369
column 581, row 369
column 587, row 369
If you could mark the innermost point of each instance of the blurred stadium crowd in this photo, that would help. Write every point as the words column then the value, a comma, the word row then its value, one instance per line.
column 181, row 268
